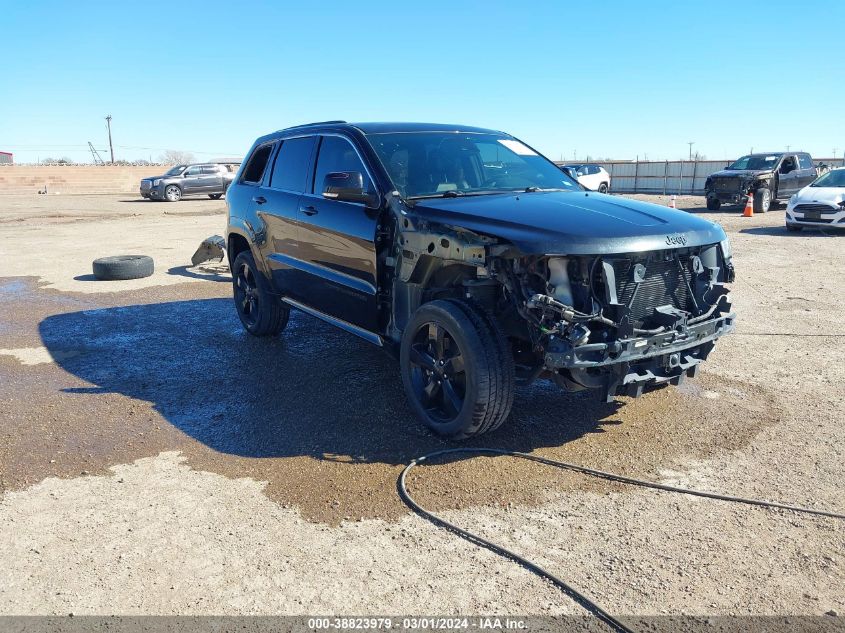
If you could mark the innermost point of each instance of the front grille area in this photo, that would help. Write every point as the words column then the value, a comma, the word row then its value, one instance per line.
column 665, row 283
column 819, row 220
column 146, row 185
column 727, row 184
column 822, row 208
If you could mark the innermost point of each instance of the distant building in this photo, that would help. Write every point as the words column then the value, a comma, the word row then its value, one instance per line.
column 6, row 158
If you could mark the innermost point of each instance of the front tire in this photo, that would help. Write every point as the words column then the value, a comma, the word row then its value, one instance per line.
column 457, row 369
column 173, row 193
column 260, row 311
column 762, row 200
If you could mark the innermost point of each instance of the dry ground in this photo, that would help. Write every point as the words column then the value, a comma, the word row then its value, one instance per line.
column 154, row 459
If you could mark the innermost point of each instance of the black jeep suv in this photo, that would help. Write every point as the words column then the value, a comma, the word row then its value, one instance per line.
column 475, row 261
column 767, row 177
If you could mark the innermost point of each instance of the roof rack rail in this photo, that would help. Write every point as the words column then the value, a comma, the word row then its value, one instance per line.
column 314, row 123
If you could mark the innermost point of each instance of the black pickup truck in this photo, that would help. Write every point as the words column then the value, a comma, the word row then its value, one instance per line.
column 768, row 177
column 474, row 260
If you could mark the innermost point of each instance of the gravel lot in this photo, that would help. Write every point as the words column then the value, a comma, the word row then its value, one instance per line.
column 156, row 460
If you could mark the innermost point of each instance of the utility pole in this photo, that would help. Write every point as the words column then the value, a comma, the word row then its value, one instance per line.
column 111, row 149
column 690, row 143
column 787, row 148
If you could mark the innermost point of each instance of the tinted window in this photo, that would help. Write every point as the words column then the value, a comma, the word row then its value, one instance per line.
column 254, row 171
column 292, row 164
column 209, row 169
column 337, row 154
column 805, row 161
column 193, row 171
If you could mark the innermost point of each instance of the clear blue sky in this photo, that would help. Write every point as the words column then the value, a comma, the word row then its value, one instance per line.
column 600, row 77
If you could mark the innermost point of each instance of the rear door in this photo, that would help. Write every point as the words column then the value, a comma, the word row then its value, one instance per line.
column 279, row 208
column 211, row 180
column 192, row 179
column 808, row 170
column 338, row 241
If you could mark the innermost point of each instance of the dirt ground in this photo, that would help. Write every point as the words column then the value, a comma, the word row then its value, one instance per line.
column 154, row 459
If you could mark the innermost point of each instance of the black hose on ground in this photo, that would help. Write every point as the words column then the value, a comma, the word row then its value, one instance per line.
column 570, row 591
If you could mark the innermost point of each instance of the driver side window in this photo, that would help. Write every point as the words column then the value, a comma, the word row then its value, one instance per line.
column 193, row 171
column 787, row 165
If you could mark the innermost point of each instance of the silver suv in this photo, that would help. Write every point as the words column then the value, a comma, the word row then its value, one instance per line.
column 211, row 179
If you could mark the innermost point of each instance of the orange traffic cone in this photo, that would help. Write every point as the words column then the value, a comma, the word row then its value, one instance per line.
column 672, row 202
column 749, row 207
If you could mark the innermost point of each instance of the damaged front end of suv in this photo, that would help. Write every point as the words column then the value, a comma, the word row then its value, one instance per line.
column 640, row 312
column 622, row 323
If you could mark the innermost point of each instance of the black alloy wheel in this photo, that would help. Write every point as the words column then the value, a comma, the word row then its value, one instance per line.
column 457, row 368
column 438, row 373
column 246, row 295
column 261, row 312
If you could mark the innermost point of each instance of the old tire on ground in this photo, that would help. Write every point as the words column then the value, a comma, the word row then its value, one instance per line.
column 215, row 196
column 762, row 200
column 172, row 193
column 603, row 187
column 261, row 312
column 713, row 204
column 123, row 267
column 457, row 369
column 794, row 228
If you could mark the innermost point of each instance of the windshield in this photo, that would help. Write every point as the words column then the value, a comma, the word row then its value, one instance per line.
column 760, row 161
column 442, row 164
column 835, row 178
column 175, row 171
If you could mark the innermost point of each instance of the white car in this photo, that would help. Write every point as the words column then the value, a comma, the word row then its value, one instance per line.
column 593, row 177
column 819, row 204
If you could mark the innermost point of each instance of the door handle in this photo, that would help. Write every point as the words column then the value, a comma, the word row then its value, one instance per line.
column 259, row 199
column 309, row 210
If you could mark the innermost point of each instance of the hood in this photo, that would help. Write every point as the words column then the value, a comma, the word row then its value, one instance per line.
column 572, row 223
column 741, row 173
column 831, row 195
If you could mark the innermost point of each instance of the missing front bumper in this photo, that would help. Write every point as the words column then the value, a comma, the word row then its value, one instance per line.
column 628, row 367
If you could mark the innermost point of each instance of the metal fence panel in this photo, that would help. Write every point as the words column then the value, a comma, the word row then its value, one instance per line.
column 670, row 176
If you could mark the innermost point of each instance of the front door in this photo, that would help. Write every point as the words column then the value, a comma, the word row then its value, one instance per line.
column 338, row 241
column 788, row 176
column 192, row 179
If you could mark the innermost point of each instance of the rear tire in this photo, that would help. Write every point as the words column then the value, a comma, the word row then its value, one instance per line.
column 261, row 312
column 713, row 204
column 762, row 200
column 215, row 196
column 603, row 188
column 457, row 369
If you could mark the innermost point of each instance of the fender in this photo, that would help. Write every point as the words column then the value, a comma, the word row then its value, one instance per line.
column 243, row 228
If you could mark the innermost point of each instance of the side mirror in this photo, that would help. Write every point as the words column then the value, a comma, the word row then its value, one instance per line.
column 347, row 186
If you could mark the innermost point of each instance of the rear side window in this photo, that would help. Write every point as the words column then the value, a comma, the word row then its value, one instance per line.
column 805, row 161
column 293, row 164
column 209, row 169
column 337, row 154
column 254, row 171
